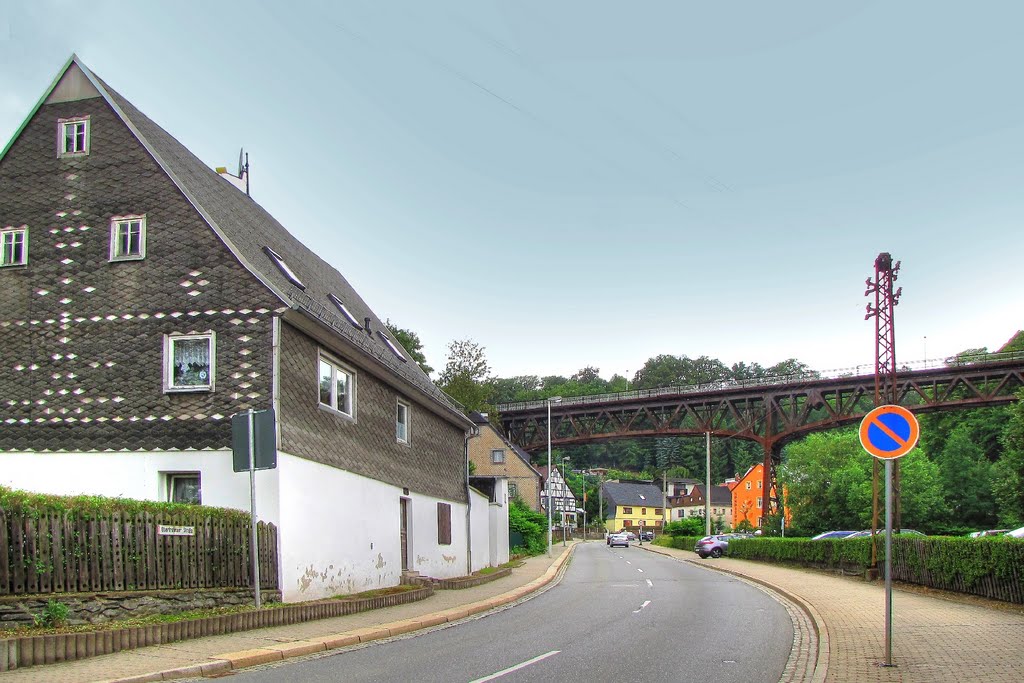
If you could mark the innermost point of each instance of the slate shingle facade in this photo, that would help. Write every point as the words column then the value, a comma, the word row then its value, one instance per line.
column 82, row 354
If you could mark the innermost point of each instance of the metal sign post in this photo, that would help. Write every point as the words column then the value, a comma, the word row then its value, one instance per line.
column 254, row 447
column 889, row 432
column 253, row 543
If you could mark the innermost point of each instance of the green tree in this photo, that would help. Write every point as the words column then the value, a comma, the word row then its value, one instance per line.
column 464, row 374
column 828, row 482
column 966, row 473
column 1008, row 472
column 410, row 341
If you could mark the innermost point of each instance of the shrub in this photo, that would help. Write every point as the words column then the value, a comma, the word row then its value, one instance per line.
column 532, row 525
column 54, row 615
column 691, row 526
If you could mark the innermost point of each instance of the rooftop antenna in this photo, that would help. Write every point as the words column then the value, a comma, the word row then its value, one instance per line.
column 241, row 180
column 244, row 169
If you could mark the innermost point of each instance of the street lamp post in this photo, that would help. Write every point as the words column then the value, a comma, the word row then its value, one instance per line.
column 565, row 482
column 553, row 399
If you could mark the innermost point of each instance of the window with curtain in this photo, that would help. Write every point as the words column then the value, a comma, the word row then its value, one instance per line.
column 190, row 360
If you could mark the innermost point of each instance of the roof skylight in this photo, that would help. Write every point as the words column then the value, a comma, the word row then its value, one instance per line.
column 393, row 346
column 283, row 267
column 344, row 311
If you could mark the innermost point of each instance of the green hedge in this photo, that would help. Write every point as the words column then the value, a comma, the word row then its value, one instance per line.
column 86, row 507
column 989, row 567
column 850, row 556
column 677, row 542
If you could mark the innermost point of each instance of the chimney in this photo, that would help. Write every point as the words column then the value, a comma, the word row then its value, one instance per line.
column 366, row 324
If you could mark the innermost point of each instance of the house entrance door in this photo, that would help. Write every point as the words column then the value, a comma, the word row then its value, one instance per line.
column 405, row 534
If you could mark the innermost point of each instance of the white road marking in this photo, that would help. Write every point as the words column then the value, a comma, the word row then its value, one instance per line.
column 628, row 562
column 517, row 667
column 650, row 584
column 640, row 570
column 646, row 602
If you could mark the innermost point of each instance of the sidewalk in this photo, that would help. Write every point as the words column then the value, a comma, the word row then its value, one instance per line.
column 935, row 638
column 221, row 654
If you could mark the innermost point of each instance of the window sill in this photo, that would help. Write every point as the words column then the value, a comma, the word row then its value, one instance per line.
column 119, row 259
column 188, row 390
column 337, row 413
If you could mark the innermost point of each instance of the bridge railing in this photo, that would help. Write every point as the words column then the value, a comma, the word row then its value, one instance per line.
column 727, row 384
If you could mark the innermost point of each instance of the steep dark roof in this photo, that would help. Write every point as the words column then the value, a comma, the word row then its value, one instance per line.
column 246, row 228
column 636, row 495
column 720, row 495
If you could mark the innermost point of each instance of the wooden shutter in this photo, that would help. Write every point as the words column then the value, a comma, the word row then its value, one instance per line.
column 444, row 524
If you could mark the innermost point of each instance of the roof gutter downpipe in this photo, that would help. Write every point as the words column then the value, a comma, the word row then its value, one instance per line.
column 472, row 433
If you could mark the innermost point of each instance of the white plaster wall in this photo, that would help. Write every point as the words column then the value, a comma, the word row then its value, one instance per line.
column 498, row 526
column 429, row 558
column 340, row 532
column 139, row 475
column 481, row 522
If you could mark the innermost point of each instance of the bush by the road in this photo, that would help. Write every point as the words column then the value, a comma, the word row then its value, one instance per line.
column 990, row 567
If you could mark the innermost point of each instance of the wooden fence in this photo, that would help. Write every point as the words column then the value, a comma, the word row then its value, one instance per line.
column 57, row 553
column 988, row 567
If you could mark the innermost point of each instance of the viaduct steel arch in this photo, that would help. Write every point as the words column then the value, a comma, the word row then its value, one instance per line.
column 770, row 414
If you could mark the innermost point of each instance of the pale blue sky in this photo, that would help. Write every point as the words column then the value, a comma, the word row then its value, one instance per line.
column 596, row 183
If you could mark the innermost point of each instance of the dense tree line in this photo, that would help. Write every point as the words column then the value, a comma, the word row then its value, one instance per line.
column 967, row 472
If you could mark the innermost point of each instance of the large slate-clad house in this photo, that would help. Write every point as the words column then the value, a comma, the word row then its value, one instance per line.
column 146, row 299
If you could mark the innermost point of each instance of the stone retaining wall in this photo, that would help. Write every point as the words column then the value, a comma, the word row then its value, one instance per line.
column 96, row 608
column 17, row 653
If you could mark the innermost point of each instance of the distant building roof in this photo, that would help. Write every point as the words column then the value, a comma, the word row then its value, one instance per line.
column 633, row 494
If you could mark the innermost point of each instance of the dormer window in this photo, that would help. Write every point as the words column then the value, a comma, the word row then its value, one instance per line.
column 393, row 346
column 127, row 238
column 283, row 267
column 73, row 136
column 14, row 246
column 344, row 311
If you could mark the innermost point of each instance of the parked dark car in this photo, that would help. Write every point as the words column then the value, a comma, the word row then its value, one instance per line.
column 647, row 536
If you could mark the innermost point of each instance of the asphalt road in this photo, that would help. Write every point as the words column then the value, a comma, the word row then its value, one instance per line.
column 618, row 614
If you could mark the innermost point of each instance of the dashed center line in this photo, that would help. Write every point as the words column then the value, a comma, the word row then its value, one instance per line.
column 509, row 670
column 650, row 584
column 646, row 602
column 640, row 570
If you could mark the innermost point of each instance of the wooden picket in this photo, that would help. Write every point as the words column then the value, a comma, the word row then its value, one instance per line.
column 58, row 553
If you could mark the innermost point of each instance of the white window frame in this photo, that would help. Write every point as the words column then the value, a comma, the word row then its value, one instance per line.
column 7, row 238
column 760, row 501
column 170, row 477
column 170, row 340
column 62, row 127
column 348, row 406
column 402, row 422
column 748, row 485
column 500, row 460
column 116, row 225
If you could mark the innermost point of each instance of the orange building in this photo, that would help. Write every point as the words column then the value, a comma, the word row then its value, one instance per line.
column 748, row 498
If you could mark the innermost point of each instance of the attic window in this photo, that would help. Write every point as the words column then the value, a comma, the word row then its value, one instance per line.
column 344, row 311
column 14, row 246
column 642, row 497
column 73, row 136
column 393, row 346
column 283, row 267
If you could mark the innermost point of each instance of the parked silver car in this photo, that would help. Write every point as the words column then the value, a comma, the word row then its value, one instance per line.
column 618, row 539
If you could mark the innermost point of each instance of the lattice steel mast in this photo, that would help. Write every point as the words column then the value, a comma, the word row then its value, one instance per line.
column 886, row 390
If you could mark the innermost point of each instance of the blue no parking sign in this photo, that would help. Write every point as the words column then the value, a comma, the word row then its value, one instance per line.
column 889, row 432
